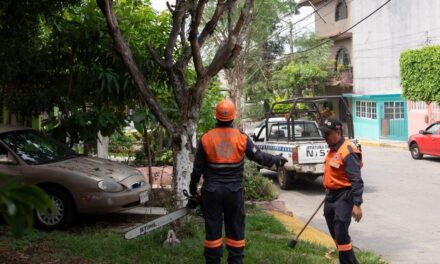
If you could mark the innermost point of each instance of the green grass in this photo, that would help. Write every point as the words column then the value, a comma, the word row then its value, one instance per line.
column 266, row 242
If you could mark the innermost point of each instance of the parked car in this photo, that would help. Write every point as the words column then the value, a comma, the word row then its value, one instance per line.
column 426, row 142
column 77, row 184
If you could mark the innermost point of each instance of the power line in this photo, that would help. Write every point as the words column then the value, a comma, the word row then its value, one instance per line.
column 339, row 34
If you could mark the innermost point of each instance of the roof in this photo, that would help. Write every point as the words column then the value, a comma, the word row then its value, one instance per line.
column 9, row 128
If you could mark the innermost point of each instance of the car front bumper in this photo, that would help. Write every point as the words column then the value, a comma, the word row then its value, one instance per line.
column 101, row 202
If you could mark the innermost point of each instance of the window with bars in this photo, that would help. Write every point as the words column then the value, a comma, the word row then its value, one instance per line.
column 394, row 110
column 366, row 109
column 435, row 107
column 419, row 106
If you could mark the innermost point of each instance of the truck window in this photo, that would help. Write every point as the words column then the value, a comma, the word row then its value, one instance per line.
column 278, row 131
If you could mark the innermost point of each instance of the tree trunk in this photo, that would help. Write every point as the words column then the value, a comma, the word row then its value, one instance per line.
column 102, row 146
column 147, row 153
column 235, row 79
column 184, row 144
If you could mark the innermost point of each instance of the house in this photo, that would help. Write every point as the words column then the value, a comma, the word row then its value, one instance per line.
column 380, row 111
column 372, row 49
column 332, row 18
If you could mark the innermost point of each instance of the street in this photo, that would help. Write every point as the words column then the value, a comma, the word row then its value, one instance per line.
column 400, row 211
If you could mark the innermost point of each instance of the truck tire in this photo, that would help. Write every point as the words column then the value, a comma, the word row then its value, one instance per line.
column 285, row 178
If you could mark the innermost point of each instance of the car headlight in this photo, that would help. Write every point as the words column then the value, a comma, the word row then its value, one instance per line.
column 110, row 186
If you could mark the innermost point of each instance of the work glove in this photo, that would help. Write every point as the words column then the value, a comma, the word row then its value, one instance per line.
column 280, row 161
column 193, row 188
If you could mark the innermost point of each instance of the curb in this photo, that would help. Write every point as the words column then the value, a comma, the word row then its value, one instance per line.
column 403, row 146
column 310, row 234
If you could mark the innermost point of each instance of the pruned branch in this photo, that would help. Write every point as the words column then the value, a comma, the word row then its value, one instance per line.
column 123, row 50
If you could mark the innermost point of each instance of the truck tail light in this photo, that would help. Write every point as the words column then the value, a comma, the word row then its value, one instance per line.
column 295, row 154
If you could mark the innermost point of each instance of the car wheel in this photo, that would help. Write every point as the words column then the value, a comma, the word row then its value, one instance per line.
column 63, row 214
column 415, row 151
column 285, row 178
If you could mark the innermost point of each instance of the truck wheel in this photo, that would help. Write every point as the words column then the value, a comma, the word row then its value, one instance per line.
column 285, row 178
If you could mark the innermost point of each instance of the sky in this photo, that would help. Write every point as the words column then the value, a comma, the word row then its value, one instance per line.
column 160, row 5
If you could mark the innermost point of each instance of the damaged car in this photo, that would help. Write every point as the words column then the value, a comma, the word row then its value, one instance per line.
column 77, row 184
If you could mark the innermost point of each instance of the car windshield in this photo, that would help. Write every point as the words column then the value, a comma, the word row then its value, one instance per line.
column 35, row 148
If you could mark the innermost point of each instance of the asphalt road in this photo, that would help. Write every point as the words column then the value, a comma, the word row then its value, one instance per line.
column 401, row 212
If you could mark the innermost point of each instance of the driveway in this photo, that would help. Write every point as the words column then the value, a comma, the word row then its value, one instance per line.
column 401, row 211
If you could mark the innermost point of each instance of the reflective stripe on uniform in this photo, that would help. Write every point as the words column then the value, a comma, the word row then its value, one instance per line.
column 213, row 243
column 235, row 243
column 225, row 166
column 345, row 247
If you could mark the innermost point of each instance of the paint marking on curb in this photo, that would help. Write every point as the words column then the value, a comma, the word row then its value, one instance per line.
column 310, row 234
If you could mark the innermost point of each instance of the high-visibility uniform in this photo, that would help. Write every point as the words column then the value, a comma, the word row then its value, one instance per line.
column 344, row 187
column 220, row 158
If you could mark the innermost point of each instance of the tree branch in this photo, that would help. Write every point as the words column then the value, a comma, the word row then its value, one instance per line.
column 123, row 50
column 212, row 24
column 231, row 48
column 157, row 58
column 196, row 17
column 178, row 15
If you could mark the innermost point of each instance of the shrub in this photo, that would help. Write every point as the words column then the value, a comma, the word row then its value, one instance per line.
column 121, row 142
column 420, row 69
column 257, row 187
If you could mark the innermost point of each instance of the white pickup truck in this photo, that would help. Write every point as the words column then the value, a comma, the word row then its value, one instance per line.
column 297, row 137
column 305, row 154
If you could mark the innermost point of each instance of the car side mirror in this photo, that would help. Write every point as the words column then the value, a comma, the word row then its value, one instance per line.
column 254, row 137
column 423, row 132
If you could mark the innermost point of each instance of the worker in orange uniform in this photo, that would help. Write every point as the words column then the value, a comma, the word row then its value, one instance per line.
column 220, row 159
column 344, row 187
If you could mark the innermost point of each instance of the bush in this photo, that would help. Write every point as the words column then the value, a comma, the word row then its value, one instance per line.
column 166, row 157
column 257, row 187
column 121, row 142
column 419, row 69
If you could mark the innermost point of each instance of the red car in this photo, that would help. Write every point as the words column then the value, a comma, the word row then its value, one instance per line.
column 426, row 142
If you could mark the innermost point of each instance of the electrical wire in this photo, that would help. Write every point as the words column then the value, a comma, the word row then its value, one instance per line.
column 339, row 34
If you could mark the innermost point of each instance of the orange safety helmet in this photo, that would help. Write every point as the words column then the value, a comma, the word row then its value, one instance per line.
column 225, row 111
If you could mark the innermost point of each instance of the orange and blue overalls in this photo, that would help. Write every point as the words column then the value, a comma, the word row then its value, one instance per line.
column 344, row 188
column 220, row 159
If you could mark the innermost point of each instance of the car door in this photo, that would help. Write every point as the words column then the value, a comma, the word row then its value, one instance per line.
column 433, row 140
column 8, row 162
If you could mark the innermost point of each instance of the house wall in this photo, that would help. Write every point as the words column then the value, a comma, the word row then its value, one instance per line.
column 419, row 119
column 345, row 43
column 332, row 27
column 379, row 40
column 380, row 127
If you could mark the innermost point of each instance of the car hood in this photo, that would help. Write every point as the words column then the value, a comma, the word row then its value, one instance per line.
column 95, row 167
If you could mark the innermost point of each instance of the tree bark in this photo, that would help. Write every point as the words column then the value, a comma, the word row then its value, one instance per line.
column 184, row 144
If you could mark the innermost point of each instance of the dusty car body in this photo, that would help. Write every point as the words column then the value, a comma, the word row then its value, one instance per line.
column 77, row 184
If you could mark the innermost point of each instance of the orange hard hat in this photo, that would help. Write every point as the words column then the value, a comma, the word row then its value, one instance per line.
column 225, row 111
